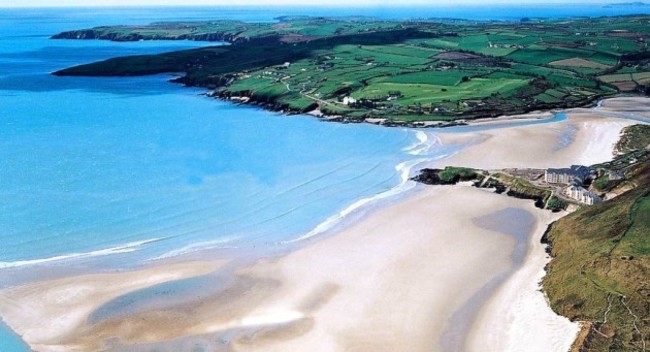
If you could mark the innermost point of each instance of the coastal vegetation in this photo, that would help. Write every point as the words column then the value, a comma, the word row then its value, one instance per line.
column 635, row 137
column 448, row 176
column 396, row 71
column 601, row 259
column 520, row 188
column 499, row 180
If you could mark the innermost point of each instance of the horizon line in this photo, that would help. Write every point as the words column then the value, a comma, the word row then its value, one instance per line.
column 319, row 5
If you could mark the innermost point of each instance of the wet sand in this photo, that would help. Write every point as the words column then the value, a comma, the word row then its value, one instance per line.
column 390, row 282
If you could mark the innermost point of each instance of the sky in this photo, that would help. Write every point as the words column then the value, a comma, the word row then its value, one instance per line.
column 48, row 3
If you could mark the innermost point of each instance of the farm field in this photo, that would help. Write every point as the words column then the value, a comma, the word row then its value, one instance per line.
column 362, row 68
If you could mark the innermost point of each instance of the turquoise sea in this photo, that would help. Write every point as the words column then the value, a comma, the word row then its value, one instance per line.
column 98, row 166
column 138, row 168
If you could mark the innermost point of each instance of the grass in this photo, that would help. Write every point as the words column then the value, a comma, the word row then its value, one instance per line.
column 452, row 174
column 445, row 78
column 436, row 93
column 556, row 204
column 601, row 183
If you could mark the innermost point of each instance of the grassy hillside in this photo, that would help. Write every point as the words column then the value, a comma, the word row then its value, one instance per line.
column 600, row 272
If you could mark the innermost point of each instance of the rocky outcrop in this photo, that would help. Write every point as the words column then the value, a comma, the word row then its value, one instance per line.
column 448, row 176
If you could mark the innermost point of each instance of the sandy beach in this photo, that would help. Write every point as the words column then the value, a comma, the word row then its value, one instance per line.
column 390, row 282
column 585, row 137
column 397, row 280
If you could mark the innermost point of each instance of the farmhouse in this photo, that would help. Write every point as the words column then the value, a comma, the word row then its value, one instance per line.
column 582, row 195
column 576, row 173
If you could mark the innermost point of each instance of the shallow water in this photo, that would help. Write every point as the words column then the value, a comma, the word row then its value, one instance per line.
column 10, row 342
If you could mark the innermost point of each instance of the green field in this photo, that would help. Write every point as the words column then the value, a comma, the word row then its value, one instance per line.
column 401, row 70
column 445, row 78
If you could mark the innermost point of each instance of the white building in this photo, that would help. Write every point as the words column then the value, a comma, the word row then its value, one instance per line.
column 349, row 100
column 576, row 173
column 582, row 195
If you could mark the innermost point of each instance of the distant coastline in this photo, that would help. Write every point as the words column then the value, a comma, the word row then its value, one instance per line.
column 394, row 73
column 626, row 4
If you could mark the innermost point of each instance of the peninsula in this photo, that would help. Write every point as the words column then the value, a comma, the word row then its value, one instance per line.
column 396, row 72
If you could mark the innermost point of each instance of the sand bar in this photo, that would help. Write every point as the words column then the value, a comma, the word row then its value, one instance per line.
column 585, row 137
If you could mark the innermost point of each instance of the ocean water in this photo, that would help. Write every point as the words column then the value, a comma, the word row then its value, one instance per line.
column 139, row 168
column 96, row 166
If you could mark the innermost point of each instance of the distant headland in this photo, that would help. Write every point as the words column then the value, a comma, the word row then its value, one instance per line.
column 626, row 4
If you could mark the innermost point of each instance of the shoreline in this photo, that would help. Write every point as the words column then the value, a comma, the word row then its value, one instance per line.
column 538, row 113
column 296, row 270
column 522, row 117
column 297, row 320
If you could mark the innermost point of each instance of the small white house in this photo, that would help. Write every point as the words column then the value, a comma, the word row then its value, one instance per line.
column 349, row 100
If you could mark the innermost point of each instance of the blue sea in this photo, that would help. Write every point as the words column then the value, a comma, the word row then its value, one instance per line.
column 140, row 168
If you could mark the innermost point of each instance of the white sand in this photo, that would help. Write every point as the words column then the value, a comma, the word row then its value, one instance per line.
column 593, row 139
column 397, row 276
column 634, row 107
column 518, row 317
